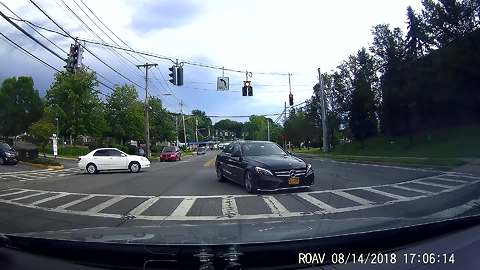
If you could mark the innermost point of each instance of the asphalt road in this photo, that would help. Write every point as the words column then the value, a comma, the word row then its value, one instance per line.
column 187, row 192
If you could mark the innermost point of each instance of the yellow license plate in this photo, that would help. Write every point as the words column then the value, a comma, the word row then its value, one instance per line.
column 294, row 181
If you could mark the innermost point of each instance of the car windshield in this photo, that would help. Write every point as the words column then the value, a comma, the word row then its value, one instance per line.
column 168, row 149
column 261, row 116
column 261, row 149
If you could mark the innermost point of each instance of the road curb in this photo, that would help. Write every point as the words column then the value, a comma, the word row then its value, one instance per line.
column 43, row 166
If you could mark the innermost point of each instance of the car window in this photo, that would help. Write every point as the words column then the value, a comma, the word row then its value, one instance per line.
column 228, row 148
column 169, row 149
column 101, row 153
column 5, row 146
column 114, row 153
column 261, row 149
column 236, row 148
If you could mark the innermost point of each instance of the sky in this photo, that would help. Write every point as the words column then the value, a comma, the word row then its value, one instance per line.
column 272, row 36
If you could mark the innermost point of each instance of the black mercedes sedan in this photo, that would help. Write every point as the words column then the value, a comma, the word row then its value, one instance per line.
column 7, row 154
column 262, row 166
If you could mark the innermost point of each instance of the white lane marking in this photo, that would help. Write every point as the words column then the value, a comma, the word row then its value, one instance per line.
column 50, row 198
column 455, row 211
column 183, row 208
column 229, row 207
column 413, row 189
column 466, row 176
column 316, row 202
column 105, row 204
column 21, row 172
column 386, row 194
column 425, row 182
column 143, row 206
column 377, row 165
column 21, row 178
column 352, row 197
column 72, row 203
column 13, row 192
column 29, row 196
column 450, row 180
column 275, row 206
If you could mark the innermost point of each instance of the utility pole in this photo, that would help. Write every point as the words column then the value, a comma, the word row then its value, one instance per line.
column 284, row 121
column 268, row 129
column 183, row 120
column 147, row 123
column 324, row 112
column 196, row 129
column 176, row 128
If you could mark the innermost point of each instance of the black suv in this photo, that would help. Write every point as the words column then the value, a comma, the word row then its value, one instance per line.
column 7, row 154
column 263, row 166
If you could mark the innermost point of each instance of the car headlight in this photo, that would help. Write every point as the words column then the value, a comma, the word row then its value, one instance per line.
column 9, row 154
column 309, row 169
column 263, row 171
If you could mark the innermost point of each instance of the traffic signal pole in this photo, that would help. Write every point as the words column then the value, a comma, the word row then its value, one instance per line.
column 147, row 123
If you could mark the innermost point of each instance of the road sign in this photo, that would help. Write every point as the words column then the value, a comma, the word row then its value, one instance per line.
column 222, row 83
column 55, row 145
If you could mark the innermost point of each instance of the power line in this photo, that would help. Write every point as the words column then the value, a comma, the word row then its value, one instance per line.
column 61, row 28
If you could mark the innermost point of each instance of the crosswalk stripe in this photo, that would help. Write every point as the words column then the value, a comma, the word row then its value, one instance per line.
column 49, row 198
column 275, row 206
column 464, row 176
column 21, row 172
column 229, row 207
column 387, row 194
column 352, row 197
column 433, row 184
column 183, row 208
column 451, row 180
column 316, row 202
column 103, row 205
column 72, row 203
column 13, row 193
column 412, row 189
column 143, row 206
column 22, row 178
column 29, row 196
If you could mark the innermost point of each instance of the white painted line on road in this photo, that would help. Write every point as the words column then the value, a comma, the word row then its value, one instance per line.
column 13, row 193
column 352, row 197
column 451, row 180
column 49, row 198
column 21, row 172
column 29, row 196
column 467, row 176
column 183, row 208
column 21, row 178
column 143, row 206
column 229, row 207
column 387, row 194
column 105, row 204
column 425, row 182
column 316, row 202
column 275, row 206
column 412, row 189
column 377, row 165
column 455, row 211
column 72, row 203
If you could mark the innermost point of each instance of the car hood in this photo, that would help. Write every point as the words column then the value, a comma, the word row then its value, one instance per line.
column 231, row 233
column 276, row 162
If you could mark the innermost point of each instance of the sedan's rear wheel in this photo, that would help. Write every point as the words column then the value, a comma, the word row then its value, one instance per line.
column 91, row 168
column 249, row 184
column 134, row 167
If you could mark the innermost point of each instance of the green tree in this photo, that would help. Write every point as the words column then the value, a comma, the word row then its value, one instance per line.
column 231, row 126
column 42, row 131
column 162, row 124
column 73, row 99
column 20, row 105
column 417, row 40
column 125, row 114
column 362, row 111
column 298, row 128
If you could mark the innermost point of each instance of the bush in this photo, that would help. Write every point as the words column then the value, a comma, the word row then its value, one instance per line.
column 45, row 161
column 72, row 151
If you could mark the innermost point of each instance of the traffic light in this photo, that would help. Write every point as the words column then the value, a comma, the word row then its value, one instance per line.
column 290, row 98
column 74, row 50
column 179, row 76
column 173, row 75
column 247, row 89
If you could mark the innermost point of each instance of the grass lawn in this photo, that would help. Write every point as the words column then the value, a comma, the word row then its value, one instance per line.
column 443, row 147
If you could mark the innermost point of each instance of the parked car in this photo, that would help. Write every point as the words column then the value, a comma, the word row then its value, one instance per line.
column 171, row 153
column 105, row 159
column 201, row 150
column 262, row 166
column 7, row 154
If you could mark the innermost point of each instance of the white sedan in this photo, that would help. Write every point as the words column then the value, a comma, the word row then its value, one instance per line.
column 104, row 159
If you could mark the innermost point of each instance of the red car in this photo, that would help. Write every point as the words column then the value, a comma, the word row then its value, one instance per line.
column 170, row 153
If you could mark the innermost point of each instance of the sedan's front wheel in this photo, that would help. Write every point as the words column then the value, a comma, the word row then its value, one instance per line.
column 134, row 167
column 220, row 177
column 249, row 183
